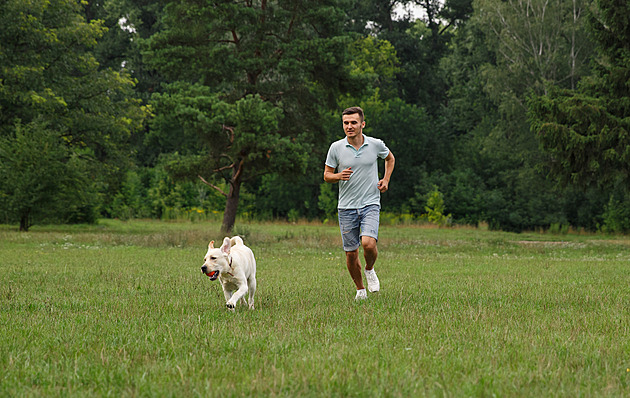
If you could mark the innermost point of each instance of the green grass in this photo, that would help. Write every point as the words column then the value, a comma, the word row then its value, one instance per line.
column 122, row 309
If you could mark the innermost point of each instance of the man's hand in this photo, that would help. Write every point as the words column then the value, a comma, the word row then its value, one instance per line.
column 332, row 177
column 383, row 185
column 345, row 174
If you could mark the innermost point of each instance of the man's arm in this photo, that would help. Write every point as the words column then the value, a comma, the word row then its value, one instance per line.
column 332, row 177
column 383, row 185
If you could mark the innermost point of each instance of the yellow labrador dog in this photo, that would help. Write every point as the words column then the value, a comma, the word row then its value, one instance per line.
column 235, row 266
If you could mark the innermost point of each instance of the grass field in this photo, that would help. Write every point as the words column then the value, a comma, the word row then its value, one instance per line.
column 122, row 309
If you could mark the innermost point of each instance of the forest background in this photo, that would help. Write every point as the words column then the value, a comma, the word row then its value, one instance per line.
column 513, row 113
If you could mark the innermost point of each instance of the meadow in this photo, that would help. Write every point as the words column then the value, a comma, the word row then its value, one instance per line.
column 122, row 309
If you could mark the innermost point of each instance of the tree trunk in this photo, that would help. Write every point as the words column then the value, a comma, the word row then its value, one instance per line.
column 24, row 224
column 231, row 205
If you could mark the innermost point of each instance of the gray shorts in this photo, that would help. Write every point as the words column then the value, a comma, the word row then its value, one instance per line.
column 355, row 223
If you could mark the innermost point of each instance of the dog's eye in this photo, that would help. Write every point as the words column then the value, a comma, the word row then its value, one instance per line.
column 213, row 258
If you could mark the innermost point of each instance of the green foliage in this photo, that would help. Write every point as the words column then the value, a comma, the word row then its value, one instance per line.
column 215, row 136
column 469, row 106
column 374, row 62
column 129, row 203
column 42, row 55
column 419, row 44
column 389, row 218
column 550, row 48
column 586, row 132
column 293, row 52
column 279, row 196
column 51, row 84
column 558, row 229
column 42, row 180
column 153, row 193
column 485, row 103
column 48, row 73
column 327, row 200
column 587, row 144
column 463, row 192
column 253, row 82
column 435, row 209
column 616, row 217
column 538, row 43
column 495, row 174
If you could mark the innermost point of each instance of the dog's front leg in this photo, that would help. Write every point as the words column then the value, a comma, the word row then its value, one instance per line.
column 227, row 293
column 231, row 303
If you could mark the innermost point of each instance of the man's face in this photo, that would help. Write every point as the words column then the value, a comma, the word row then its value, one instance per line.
column 352, row 125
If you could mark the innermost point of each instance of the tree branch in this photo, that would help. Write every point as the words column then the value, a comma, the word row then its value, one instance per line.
column 240, row 170
column 212, row 186
column 230, row 131
column 445, row 27
column 290, row 29
column 220, row 169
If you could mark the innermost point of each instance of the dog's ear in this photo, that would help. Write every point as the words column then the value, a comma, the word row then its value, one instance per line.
column 225, row 248
column 211, row 245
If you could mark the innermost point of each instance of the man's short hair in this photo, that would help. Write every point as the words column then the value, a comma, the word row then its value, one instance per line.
column 352, row 110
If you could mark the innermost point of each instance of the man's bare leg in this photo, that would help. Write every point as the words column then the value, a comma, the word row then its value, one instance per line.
column 370, row 252
column 354, row 267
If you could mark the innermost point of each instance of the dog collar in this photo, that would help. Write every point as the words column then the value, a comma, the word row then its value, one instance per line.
column 229, row 273
column 230, row 264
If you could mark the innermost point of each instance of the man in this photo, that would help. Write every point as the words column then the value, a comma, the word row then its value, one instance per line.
column 355, row 159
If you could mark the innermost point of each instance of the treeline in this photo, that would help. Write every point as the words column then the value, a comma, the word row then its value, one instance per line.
column 512, row 113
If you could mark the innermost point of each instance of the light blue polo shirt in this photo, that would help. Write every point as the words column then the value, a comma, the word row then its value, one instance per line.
column 362, row 188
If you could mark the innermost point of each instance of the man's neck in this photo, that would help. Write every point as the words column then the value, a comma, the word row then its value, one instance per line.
column 356, row 141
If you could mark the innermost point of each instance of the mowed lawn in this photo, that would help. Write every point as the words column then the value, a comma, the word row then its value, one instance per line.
column 122, row 309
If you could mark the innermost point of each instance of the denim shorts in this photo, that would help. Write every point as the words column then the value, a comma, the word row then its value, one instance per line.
column 355, row 223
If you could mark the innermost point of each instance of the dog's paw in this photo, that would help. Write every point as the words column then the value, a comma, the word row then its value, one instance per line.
column 230, row 306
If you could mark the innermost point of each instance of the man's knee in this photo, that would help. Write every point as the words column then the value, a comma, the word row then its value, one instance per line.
column 352, row 254
column 368, row 243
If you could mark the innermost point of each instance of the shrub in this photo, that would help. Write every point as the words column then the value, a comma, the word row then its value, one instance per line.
column 435, row 209
column 616, row 217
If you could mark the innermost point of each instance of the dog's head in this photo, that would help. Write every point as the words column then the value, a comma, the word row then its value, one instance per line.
column 217, row 261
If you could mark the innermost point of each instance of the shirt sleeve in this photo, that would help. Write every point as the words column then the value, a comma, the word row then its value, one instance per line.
column 383, row 150
column 331, row 158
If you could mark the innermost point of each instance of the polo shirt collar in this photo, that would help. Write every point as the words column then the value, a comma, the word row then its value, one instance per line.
column 365, row 141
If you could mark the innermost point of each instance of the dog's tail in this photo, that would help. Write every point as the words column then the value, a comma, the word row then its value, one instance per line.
column 236, row 240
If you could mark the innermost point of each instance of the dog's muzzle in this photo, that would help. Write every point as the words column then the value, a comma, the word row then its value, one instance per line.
column 212, row 275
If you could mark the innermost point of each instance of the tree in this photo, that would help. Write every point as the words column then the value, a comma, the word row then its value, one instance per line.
column 539, row 42
column 506, row 51
column 42, row 178
column 234, row 142
column 435, row 209
column 255, row 78
column 586, row 132
column 129, row 25
column 48, row 76
column 420, row 42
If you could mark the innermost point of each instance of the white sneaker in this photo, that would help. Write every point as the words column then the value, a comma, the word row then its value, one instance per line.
column 361, row 295
column 372, row 281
